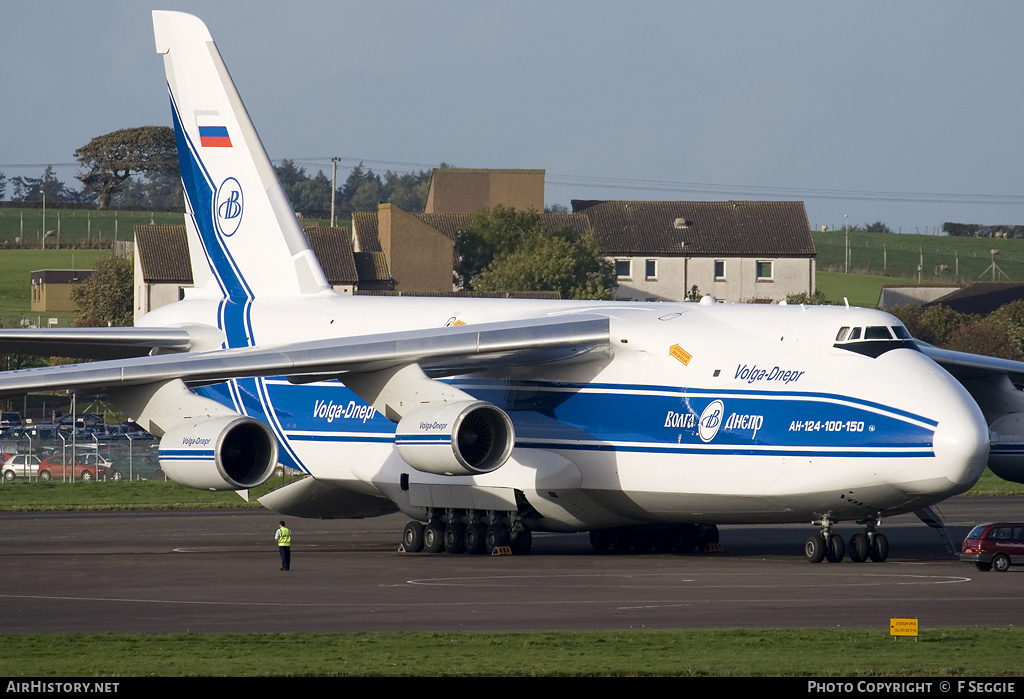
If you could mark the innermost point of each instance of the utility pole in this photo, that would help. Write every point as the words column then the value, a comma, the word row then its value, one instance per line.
column 846, row 227
column 334, row 186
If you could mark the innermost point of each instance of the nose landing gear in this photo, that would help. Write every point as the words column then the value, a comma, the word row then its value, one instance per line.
column 827, row 546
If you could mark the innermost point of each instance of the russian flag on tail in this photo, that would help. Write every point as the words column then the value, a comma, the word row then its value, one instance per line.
column 214, row 137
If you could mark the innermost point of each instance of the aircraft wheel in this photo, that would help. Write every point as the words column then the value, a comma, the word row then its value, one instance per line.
column 495, row 536
column 412, row 537
column 433, row 537
column 455, row 537
column 879, row 548
column 474, row 539
column 521, row 544
column 836, row 549
column 1000, row 563
column 814, row 548
column 858, row 548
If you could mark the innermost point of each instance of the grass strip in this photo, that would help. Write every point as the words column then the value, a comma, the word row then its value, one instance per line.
column 55, row 496
column 943, row 652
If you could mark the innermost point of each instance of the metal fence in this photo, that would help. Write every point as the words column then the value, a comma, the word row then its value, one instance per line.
column 69, row 459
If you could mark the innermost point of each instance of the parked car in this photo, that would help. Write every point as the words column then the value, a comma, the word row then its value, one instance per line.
column 64, row 467
column 94, row 458
column 20, row 466
column 10, row 419
column 994, row 546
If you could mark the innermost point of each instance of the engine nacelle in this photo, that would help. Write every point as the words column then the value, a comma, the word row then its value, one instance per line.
column 1006, row 453
column 455, row 439
column 231, row 452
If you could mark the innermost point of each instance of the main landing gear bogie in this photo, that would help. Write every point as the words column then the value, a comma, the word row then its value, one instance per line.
column 827, row 546
column 461, row 531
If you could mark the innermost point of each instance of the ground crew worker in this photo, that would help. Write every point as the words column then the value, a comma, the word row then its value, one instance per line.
column 284, row 545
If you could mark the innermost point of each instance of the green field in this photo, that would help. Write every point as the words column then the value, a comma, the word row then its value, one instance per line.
column 16, row 267
column 941, row 258
column 859, row 289
column 838, row 652
column 84, row 226
column 76, row 225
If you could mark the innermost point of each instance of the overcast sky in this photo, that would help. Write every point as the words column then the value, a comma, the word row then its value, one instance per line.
column 906, row 112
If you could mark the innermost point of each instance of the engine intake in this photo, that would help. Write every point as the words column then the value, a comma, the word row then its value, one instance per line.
column 225, row 453
column 455, row 439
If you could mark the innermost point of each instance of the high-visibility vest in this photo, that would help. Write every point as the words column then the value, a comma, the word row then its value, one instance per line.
column 284, row 536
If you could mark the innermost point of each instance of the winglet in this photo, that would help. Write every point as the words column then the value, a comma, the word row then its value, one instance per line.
column 252, row 240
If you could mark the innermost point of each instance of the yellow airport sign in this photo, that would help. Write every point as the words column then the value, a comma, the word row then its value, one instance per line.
column 903, row 627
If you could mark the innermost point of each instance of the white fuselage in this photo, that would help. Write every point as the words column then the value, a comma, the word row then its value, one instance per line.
column 700, row 413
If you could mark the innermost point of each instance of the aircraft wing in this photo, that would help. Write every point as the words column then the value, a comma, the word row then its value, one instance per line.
column 967, row 367
column 91, row 343
column 440, row 351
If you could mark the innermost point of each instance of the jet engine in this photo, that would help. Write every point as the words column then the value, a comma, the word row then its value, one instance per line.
column 1006, row 455
column 231, row 452
column 465, row 438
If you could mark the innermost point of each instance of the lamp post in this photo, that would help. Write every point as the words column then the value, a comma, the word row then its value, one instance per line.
column 846, row 227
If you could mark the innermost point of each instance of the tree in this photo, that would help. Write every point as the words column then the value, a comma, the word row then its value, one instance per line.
column 105, row 298
column 509, row 250
column 983, row 336
column 934, row 324
column 47, row 186
column 109, row 160
column 154, row 192
column 876, row 227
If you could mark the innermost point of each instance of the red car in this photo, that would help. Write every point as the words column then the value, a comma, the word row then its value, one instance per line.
column 994, row 546
column 66, row 468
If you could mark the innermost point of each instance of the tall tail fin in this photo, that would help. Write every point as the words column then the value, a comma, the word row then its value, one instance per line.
column 251, row 238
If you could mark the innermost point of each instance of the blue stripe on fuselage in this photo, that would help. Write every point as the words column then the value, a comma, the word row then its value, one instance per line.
column 631, row 418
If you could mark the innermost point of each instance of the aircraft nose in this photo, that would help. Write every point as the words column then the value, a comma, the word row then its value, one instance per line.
column 961, row 440
column 960, row 436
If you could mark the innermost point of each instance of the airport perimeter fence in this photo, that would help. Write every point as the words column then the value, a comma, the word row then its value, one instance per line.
column 71, row 460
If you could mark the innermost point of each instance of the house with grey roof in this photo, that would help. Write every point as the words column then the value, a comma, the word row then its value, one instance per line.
column 164, row 269
column 662, row 250
column 733, row 250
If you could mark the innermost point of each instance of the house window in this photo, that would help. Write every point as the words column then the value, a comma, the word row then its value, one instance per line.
column 764, row 271
column 622, row 269
column 719, row 270
column 651, row 269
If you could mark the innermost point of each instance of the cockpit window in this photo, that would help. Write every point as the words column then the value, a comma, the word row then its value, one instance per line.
column 878, row 339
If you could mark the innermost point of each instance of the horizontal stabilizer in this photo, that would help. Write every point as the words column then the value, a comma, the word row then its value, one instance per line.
column 92, row 343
